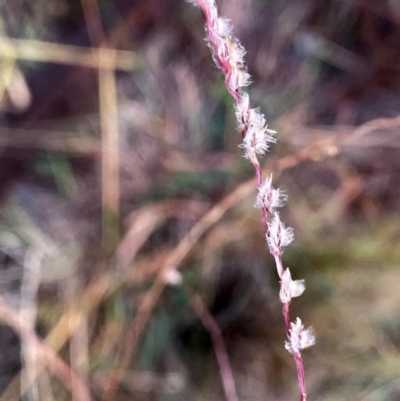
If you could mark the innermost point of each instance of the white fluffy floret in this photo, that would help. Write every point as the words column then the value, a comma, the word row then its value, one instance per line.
column 278, row 235
column 299, row 338
column 258, row 136
column 224, row 27
column 242, row 111
column 268, row 197
column 290, row 288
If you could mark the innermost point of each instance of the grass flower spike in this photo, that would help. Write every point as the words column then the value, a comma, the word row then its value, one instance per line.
column 289, row 288
column 269, row 198
column 228, row 55
column 299, row 338
column 258, row 137
column 278, row 236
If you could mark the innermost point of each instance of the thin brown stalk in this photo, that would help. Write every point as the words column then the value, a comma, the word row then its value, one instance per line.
column 28, row 312
column 101, row 286
column 47, row 52
column 176, row 257
column 79, row 342
column 53, row 362
column 65, row 142
column 93, row 21
column 67, row 324
column 110, row 150
column 6, row 72
column 221, row 353
column 96, row 291
column 131, row 338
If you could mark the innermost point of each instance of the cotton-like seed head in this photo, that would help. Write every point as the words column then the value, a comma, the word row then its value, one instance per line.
column 236, row 53
column 269, row 198
column 242, row 111
column 224, row 27
column 289, row 288
column 219, row 48
column 238, row 79
column 229, row 53
column 278, row 235
column 256, row 118
column 258, row 136
column 244, row 79
column 255, row 143
column 299, row 338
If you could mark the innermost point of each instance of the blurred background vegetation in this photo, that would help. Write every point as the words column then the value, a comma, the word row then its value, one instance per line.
column 119, row 161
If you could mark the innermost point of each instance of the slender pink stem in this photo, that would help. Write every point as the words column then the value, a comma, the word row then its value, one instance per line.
column 286, row 317
column 278, row 262
column 221, row 353
column 257, row 168
column 264, row 212
column 300, row 375
column 222, row 58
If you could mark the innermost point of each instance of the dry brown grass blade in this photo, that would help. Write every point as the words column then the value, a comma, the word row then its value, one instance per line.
column 131, row 338
column 221, row 353
column 47, row 52
column 318, row 150
column 7, row 67
column 79, row 341
column 101, row 286
column 28, row 312
column 93, row 21
column 346, row 135
column 145, row 220
column 67, row 324
column 74, row 315
column 53, row 362
column 110, row 150
column 36, row 140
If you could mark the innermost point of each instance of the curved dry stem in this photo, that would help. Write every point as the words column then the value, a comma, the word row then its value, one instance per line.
column 221, row 353
column 143, row 270
column 176, row 257
column 53, row 362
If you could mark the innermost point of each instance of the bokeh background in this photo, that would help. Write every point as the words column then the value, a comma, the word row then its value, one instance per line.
column 119, row 160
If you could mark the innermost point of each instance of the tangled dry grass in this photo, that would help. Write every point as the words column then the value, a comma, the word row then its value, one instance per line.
column 119, row 165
